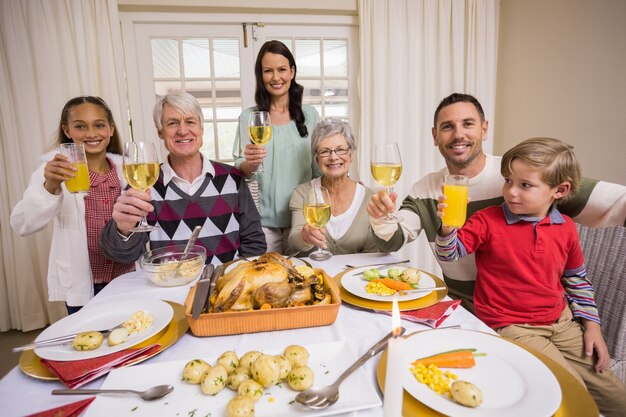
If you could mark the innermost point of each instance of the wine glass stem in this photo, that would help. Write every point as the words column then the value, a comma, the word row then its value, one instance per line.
column 390, row 214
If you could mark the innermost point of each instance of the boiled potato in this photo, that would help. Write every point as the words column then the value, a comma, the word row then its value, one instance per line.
column 214, row 380
column 87, row 341
column 300, row 378
column 237, row 377
column 466, row 393
column 297, row 355
column 251, row 388
column 249, row 357
column 410, row 276
column 194, row 370
column 285, row 367
column 265, row 370
column 229, row 360
column 117, row 336
column 240, row 406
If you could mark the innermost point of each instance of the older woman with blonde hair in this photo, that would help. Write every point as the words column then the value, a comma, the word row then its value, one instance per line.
column 348, row 230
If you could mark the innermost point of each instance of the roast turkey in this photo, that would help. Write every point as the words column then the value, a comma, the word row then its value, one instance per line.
column 271, row 279
column 239, row 285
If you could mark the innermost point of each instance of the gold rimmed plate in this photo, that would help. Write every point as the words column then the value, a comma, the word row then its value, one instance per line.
column 575, row 400
column 428, row 300
column 103, row 316
column 31, row 364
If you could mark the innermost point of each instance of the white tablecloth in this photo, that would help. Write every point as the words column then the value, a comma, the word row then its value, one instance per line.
column 21, row 395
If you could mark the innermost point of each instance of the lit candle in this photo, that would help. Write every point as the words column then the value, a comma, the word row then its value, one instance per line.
column 392, row 402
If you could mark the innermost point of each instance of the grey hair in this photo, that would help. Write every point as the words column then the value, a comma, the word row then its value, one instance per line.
column 332, row 127
column 180, row 100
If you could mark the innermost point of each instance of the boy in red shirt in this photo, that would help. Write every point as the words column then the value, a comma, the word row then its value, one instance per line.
column 531, row 283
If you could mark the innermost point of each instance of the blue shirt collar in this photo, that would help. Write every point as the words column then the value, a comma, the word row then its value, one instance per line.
column 554, row 216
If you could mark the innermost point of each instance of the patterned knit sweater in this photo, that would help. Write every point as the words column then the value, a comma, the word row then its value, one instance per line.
column 222, row 206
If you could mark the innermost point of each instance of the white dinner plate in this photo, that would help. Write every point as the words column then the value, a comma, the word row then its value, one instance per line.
column 101, row 317
column 353, row 282
column 327, row 360
column 294, row 261
column 514, row 383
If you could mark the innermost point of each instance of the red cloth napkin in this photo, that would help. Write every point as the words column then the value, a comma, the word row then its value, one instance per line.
column 67, row 410
column 431, row 316
column 77, row 373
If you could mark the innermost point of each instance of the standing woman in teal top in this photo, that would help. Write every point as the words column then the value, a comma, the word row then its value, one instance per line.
column 287, row 157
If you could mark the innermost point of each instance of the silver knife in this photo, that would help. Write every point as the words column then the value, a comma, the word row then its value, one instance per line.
column 202, row 289
column 219, row 271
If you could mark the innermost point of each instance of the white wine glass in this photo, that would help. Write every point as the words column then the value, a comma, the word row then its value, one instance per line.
column 141, row 170
column 317, row 213
column 260, row 130
column 386, row 166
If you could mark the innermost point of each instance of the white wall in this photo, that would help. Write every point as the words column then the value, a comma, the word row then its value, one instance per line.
column 562, row 73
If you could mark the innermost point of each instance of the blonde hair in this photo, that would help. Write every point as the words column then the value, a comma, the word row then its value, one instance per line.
column 555, row 157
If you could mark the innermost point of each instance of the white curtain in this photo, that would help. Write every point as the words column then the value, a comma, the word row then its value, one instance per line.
column 50, row 51
column 413, row 54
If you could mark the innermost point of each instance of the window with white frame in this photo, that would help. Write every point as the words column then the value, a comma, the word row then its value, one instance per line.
column 215, row 63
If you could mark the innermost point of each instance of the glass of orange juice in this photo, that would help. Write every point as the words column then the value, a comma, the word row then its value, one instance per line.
column 455, row 189
column 75, row 152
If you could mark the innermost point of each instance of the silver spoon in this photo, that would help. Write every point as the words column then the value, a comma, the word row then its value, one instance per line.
column 192, row 240
column 318, row 398
column 150, row 394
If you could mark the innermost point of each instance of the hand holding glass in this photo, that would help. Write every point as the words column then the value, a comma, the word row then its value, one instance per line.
column 317, row 214
column 386, row 166
column 456, row 190
column 141, row 170
column 260, row 130
column 75, row 152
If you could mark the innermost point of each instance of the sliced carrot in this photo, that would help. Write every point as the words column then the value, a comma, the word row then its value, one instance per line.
column 393, row 284
column 454, row 359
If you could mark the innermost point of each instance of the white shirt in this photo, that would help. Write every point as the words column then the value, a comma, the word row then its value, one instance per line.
column 337, row 226
column 186, row 186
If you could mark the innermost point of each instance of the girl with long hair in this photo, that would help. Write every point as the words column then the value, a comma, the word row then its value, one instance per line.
column 77, row 269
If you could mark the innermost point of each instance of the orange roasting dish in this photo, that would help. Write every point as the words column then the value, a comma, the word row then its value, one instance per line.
column 265, row 295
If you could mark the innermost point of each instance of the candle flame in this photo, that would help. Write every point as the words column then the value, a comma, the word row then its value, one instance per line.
column 395, row 318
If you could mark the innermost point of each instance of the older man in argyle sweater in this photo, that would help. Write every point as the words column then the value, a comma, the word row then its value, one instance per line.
column 191, row 191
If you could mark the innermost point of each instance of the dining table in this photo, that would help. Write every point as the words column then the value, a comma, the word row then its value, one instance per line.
column 359, row 328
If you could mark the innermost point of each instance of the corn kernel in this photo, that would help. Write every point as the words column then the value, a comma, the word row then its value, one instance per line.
column 378, row 289
column 434, row 378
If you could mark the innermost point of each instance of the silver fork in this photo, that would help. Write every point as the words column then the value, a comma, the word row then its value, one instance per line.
column 61, row 339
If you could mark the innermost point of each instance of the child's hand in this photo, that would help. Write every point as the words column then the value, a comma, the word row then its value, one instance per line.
column 593, row 340
column 56, row 171
column 443, row 230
